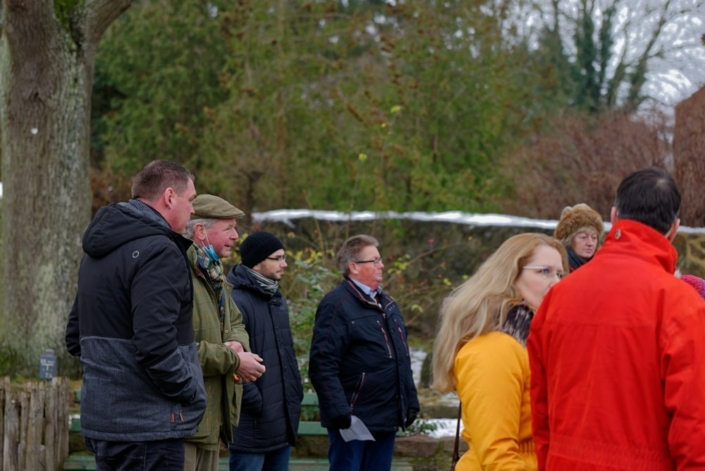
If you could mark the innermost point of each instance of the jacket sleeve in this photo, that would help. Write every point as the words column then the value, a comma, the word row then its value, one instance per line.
column 73, row 334
column 683, row 376
column 217, row 359
column 160, row 285
column 412, row 400
column 539, row 388
column 237, row 327
column 490, row 384
column 329, row 343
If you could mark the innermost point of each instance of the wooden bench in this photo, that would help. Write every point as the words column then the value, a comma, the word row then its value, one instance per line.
column 77, row 462
column 306, row 427
column 309, row 405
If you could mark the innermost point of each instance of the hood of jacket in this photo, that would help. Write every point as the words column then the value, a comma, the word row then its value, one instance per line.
column 117, row 224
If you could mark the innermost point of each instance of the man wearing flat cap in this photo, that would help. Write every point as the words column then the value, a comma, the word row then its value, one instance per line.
column 271, row 406
column 223, row 344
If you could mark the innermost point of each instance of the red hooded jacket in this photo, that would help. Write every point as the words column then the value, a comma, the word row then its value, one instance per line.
column 617, row 356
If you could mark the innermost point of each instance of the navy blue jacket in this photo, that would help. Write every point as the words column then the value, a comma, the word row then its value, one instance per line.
column 271, row 405
column 131, row 325
column 360, row 361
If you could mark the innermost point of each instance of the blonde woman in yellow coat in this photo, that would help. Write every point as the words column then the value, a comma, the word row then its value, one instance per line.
column 480, row 350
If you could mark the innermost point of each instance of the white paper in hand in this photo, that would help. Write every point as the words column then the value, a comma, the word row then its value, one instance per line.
column 357, row 431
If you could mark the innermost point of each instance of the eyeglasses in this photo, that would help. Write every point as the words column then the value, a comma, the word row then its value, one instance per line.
column 545, row 272
column 377, row 261
column 279, row 259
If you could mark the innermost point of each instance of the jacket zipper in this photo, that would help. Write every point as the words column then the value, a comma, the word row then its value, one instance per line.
column 386, row 339
column 401, row 337
column 357, row 392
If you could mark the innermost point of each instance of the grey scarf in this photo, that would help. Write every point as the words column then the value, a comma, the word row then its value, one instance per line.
column 268, row 285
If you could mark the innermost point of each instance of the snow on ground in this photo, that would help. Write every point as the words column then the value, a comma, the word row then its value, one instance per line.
column 444, row 427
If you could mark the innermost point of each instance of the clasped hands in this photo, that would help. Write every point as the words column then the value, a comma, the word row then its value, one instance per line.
column 251, row 366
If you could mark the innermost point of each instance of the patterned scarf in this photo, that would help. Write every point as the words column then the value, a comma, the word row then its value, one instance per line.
column 214, row 272
column 214, row 269
column 518, row 322
column 268, row 285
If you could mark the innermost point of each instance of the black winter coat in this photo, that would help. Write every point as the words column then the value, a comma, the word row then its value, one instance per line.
column 360, row 360
column 271, row 405
column 131, row 323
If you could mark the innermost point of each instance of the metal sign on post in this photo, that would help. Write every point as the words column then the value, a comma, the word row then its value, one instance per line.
column 47, row 364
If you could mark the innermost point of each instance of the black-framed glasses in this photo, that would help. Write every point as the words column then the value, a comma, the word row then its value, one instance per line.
column 376, row 261
column 546, row 272
column 279, row 259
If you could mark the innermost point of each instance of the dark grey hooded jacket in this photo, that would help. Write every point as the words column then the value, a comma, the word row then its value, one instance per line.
column 131, row 325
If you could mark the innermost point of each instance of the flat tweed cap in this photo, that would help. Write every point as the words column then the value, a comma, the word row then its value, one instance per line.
column 213, row 207
column 577, row 217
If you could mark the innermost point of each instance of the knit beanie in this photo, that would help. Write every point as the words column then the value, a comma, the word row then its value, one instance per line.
column 258, row 246
column 575, row 218
column 695, row 282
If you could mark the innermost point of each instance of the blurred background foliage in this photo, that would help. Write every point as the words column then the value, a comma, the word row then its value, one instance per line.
column 361, row 105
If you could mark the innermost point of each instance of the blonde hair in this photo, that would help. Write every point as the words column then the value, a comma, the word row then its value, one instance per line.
column 481, row 303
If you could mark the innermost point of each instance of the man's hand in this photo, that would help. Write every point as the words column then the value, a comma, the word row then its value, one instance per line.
column 341, row 422
column 410, row 418
column 251, row 366
column 235, row 346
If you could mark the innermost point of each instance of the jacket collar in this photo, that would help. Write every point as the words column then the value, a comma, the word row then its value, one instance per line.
column 640, row 240
column 362, row 297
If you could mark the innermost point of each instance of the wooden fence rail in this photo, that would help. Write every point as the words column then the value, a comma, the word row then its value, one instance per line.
column 34, row 425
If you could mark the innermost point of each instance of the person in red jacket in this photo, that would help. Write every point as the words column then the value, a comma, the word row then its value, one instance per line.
column 617, row 348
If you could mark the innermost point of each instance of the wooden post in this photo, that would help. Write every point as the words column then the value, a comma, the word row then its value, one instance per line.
column 3, row 396
column 65, row 398
column 9, row 457
column 35, row 421
column 23, row 401
column 51, row 429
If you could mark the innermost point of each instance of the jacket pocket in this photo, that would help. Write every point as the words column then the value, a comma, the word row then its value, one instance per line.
column 358, row 390
column 386, row 339
column 176, row 416
column 401, row 337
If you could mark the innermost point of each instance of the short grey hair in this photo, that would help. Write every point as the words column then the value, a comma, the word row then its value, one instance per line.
column 191, row 226
column 351, row 249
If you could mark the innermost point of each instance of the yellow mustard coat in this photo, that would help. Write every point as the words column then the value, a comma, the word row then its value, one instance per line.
column 493, row 378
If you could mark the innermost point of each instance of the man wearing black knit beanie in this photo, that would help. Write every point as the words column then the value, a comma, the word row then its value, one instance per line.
column 271, row 406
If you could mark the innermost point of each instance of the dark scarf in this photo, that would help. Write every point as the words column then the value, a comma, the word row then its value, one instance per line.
column 518, row 322
column 575, row 261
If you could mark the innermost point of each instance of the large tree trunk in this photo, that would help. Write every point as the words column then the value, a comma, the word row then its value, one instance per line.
column 47, row 53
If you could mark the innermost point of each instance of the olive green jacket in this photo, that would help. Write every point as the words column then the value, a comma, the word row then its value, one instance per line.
column 218, row 362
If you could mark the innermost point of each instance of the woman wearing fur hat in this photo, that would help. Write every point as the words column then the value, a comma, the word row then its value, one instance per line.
column 579, row 228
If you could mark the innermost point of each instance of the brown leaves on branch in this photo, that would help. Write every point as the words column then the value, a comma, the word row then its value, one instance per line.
column 582, row 159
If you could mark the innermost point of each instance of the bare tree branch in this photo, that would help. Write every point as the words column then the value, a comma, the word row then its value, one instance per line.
column 100, row 14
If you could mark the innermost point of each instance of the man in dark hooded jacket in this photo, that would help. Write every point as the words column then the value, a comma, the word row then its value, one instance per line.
column 271, row 405
column 142, row 389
